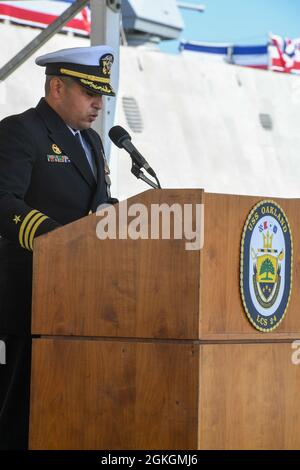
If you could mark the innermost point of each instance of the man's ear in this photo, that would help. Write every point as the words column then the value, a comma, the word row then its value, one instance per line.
column 56, row 86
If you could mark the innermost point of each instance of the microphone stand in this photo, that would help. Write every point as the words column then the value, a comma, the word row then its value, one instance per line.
column 136, row 171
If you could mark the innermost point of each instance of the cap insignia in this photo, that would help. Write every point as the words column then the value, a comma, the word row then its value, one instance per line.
column 106, row 62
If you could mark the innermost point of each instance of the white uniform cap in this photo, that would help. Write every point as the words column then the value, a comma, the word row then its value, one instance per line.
column 90, row 66
column 76, row 55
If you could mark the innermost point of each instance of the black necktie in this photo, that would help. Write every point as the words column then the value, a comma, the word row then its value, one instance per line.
column 89, row 156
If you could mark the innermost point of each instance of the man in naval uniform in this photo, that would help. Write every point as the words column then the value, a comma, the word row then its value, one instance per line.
column 52, row 172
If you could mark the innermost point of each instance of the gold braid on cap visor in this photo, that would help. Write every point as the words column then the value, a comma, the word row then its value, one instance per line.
column 104, row 89
column 93, row 78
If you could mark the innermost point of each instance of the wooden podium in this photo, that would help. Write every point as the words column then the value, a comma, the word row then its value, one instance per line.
column 145, row 345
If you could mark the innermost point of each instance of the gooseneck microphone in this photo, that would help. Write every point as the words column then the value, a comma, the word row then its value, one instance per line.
column 120, row 137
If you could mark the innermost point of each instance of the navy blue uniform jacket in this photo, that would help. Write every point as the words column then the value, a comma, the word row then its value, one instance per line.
column 45, row 182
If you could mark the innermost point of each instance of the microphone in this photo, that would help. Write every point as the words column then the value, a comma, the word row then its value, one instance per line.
column 120, row 137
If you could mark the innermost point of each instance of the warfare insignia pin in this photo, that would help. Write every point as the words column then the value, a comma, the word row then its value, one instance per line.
column 266, row 265
column 56, row 149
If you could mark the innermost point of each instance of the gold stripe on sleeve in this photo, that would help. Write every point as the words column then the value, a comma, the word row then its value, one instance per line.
column 24, row 224
column 29, row 227
column 34, row 229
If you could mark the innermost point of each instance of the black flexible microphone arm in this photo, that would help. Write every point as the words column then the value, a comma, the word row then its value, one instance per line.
column 137, row 172
column 122, row 139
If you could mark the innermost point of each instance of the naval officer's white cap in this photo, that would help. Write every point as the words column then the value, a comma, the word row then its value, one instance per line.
column 89, row 66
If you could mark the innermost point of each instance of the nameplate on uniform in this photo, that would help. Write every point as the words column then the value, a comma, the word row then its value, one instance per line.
column 58, row 159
